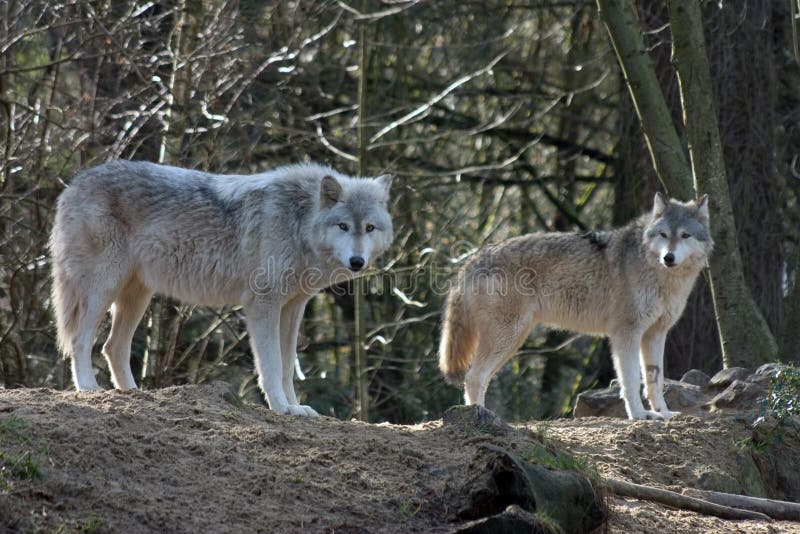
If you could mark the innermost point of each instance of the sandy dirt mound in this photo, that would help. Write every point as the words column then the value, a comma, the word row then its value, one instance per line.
column 194, row 459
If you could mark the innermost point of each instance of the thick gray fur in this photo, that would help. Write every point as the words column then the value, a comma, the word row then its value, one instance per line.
column 126, row 230
column 630, row 283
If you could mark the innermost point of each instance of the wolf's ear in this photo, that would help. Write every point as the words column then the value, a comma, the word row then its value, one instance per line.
column 385, row 181
column 702, row 207
column 330, row 191
column 659, row 204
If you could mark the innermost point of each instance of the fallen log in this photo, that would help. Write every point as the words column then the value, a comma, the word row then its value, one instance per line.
column 776, row 509
column 683, row 502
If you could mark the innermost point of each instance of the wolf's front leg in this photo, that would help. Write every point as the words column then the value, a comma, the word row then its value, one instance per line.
column 652, row 360
column 625, row 352
column 263, row 326
column 291, row 317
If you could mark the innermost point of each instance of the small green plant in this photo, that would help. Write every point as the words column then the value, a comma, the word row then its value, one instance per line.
column 21, row 466
column 783, row 398
column 410, row 508
column 547, row 523
column 555, row 458
column 6, row 485
column 90, row 525
column 13, row 427
column 231, row 415
column 16, row 467
column 756, row 446
column 551, row 455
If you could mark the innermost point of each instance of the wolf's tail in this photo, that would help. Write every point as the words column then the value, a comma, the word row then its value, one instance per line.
column 459, row 337
column 65, row 292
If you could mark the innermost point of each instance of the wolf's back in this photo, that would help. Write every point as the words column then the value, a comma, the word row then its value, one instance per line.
column 459, row 337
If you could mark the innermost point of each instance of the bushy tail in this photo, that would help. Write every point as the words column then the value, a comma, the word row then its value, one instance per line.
column 65, row 294
column 459, row 337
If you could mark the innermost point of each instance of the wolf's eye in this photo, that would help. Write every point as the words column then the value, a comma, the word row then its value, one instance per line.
column 344, row 227
column 370, row 228
column 664, row 235
column 686, row 235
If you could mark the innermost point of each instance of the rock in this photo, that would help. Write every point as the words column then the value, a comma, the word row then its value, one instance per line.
column 766, row 373
column 682, row 395
column 607, row 403
column 739, row 395
column 771, row 369
column 746, row 479
column 695, row 377
column 718, row 481
column 599, row 403
column 779, row 461
column 750, row 477
column 726, row 377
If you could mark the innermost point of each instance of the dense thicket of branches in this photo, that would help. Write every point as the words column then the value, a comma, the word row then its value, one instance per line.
column 496, row 117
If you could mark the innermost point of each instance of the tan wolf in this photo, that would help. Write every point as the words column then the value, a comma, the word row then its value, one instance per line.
column 126, row 230
column 630, row 283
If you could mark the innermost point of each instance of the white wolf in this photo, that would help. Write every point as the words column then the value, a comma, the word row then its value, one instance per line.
column 126, row 230
column 630, row 283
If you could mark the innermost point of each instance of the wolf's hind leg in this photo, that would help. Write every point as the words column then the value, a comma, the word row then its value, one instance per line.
column 127, row 310
column 91, row 314
column 652, row 364
column 625, row 352
column 497, row 343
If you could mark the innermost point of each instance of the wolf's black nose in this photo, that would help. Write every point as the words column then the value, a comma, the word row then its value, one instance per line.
column 669, row 259
column 356, row 263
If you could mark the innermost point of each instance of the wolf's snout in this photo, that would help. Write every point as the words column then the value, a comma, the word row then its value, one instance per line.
column 356, row 263
column 669, row 259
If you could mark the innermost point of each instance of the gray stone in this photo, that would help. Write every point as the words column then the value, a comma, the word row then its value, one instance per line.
column 771, row 369
column 727, row 376
column 681, row 395
column 717, row 481
column 745, row 480
column 750, row 477
column 607, row 403
column 599, row 403
column 695, row 377
column 739, row 395
column 764, row 374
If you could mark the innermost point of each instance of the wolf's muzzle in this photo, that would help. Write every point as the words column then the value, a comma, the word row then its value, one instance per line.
column 356, row 263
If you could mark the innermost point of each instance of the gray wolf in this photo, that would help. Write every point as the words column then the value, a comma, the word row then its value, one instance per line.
column 126, row 230
column 630, row 283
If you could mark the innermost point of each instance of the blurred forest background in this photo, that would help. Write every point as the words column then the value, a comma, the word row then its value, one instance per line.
column 496, row 117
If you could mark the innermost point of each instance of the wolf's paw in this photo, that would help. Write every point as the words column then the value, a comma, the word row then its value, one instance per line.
column 647, row 415
column 303, row 410
column 89, row 387
column 297, row 409
column 666, row 414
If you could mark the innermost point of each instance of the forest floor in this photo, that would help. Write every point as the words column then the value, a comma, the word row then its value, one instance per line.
column 194, row 459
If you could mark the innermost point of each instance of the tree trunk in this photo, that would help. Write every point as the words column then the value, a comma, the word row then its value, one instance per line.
column 790, row 340
column 682, row 502
column 164, row 313
column 662, row 139
column 359, row 340
column 744, row 334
